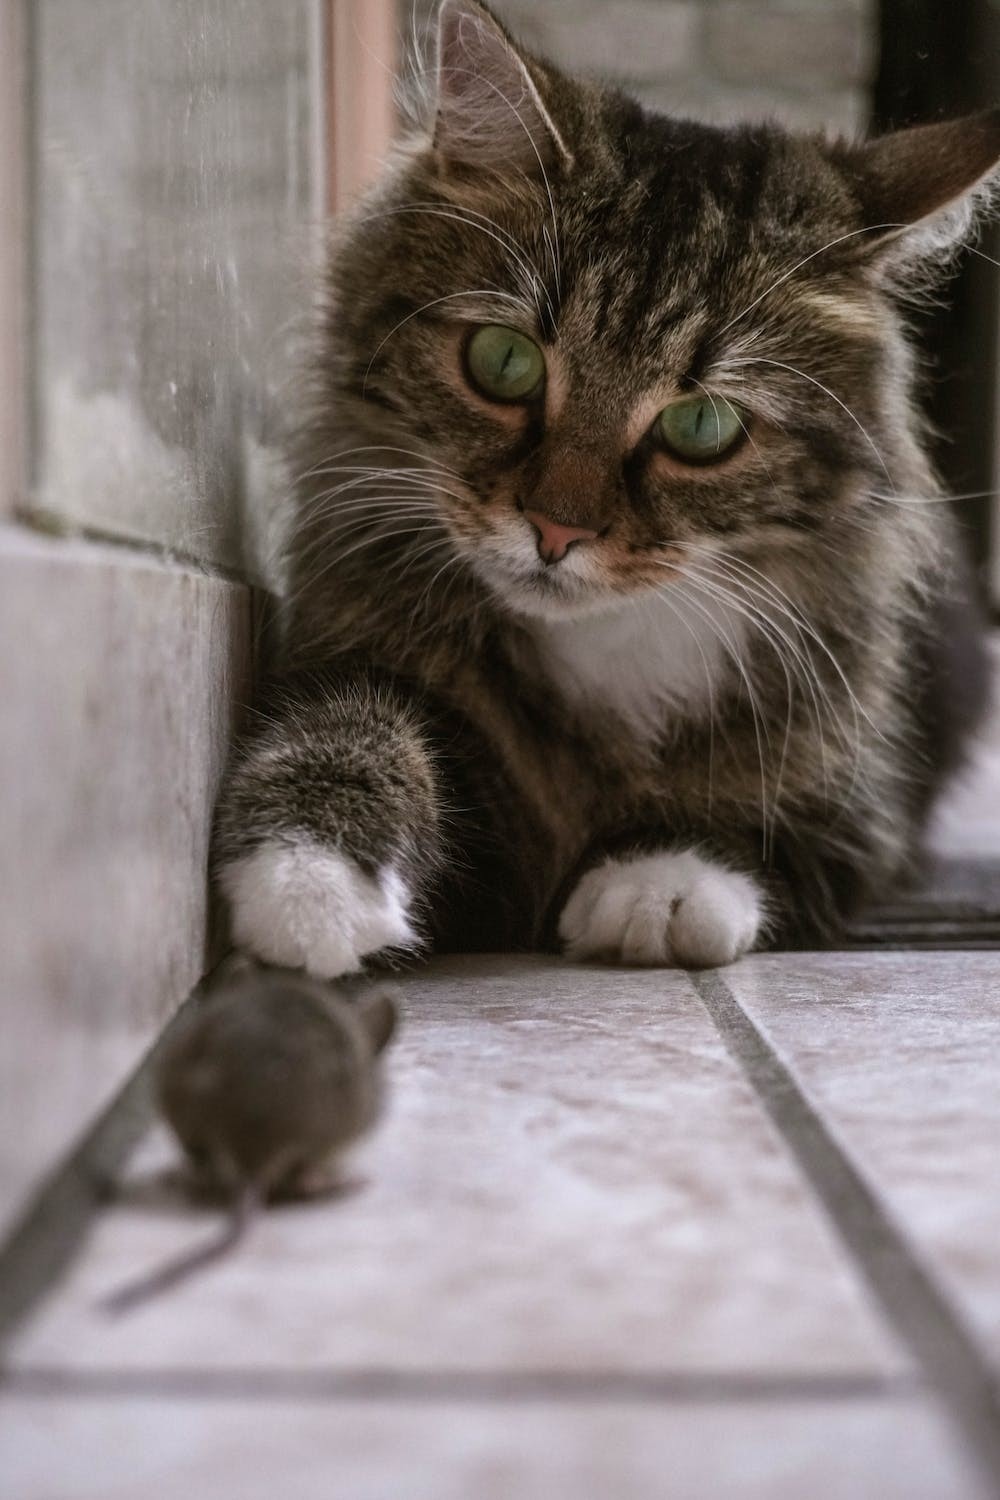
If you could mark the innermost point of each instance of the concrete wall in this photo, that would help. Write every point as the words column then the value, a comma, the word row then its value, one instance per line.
column 171, row 153
column 175, row 174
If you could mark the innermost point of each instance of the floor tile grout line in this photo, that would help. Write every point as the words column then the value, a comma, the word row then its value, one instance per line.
column 51, row 1232
column 45, row 1240
column 909, row 1296
column 375, row 1384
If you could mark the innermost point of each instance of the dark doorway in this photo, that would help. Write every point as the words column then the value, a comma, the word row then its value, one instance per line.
column 939, row 60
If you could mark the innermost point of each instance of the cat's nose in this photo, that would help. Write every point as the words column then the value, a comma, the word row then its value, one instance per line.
column 554, row 539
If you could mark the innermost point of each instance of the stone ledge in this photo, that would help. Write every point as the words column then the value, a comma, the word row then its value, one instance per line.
column 121, row 684
column 789, row 44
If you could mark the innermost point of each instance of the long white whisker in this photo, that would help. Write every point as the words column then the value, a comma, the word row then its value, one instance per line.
column 331, row 462
column 338, row 558
column 664, row 594
column 414, row 485
column 339, row 501
column 785, row 650
column 801, row 657
column 528, row 271
column 774, row 640
column 320, row 499
column 329, row 502
column 780, row 280
column 729, row 646
column 746, row 431
column 758, row 359
column 805, row 625
column 917, row 500
column 545, row 180
column 366, row 521
column 435, row 302
column 770, row 591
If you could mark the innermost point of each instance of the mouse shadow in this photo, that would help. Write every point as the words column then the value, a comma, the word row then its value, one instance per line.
column 172, row 1190
column 165, row 1190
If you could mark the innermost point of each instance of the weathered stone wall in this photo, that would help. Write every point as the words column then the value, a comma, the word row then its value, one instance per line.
column 807, row 62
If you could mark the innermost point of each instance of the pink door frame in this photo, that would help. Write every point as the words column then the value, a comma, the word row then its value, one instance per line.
column 362, row 45
column 13, row 268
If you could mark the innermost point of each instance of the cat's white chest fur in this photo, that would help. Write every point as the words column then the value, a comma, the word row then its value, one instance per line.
column 648, row 661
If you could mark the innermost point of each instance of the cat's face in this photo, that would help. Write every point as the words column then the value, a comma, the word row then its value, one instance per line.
column 657, row 335
column 601, row 363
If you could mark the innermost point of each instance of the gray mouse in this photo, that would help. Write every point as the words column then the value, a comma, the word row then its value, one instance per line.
column 264, row 1084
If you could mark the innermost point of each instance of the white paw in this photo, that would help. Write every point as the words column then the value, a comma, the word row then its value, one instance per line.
column 662, row 909
column 302, row 905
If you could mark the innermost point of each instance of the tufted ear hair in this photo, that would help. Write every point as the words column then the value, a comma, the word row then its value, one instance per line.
column 920, row 189
column 490, row 111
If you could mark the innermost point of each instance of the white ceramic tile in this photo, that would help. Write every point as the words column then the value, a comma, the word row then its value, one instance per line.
column 572, row 1175
column 902, row 1054
column 146, row 1450
column 119, row 679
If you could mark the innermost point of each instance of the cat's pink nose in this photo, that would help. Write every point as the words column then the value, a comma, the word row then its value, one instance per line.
column 554, row 539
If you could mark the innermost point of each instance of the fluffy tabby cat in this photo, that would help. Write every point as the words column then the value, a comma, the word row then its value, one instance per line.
column 620, row 618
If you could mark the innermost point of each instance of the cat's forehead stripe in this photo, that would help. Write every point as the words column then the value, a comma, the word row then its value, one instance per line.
column 846, row 313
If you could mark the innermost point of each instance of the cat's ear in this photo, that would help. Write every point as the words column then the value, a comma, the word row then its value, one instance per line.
column 920, row 189
column 490, row 110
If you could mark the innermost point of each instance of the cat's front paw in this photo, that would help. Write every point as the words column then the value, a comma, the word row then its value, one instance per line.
column 297, row 903
column 662, row 909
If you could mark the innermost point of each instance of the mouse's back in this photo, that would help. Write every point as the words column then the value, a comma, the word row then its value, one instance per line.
column 268, row 1078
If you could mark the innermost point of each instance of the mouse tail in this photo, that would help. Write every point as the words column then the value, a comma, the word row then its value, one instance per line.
column 244, row 1211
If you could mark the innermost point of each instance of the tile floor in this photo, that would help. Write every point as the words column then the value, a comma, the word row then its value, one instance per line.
column 621, row 1234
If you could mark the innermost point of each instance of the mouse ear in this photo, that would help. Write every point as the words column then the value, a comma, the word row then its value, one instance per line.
column 379, row 1017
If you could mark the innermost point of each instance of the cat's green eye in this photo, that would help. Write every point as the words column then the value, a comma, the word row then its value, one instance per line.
column 699, row 429
column 505, row 365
